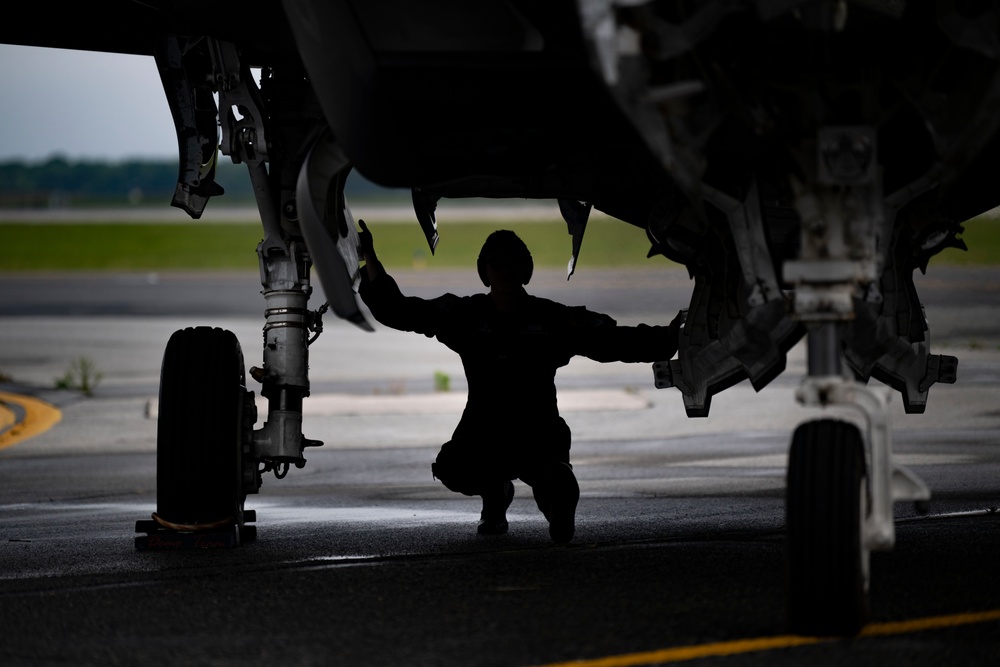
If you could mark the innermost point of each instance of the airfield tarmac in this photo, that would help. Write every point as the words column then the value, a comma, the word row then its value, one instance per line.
column 363, row 559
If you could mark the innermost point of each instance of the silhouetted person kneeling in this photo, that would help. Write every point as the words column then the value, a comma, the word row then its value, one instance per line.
column 511, row 344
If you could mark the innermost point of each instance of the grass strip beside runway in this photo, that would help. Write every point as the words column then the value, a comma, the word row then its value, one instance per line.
column 174, row 246
column 608, row 243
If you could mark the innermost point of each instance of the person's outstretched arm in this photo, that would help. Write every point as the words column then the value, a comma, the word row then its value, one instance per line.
column 388, row 304
column 608, row 341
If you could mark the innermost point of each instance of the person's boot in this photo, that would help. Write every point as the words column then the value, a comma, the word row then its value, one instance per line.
column 557, row 493
column 493, row 519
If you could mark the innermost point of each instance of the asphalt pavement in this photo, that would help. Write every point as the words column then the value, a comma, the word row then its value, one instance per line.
column 363, row 559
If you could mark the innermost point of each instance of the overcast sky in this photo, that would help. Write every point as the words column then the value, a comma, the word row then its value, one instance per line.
column 81, row 105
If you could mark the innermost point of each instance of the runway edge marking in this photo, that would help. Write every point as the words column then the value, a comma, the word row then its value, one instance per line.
column 36, row 417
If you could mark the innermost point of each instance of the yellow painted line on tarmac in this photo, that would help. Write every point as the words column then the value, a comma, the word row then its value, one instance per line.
column 38, row 417
column 740, row 646
column 930, row 623
column 682, row 653
column 7, row 417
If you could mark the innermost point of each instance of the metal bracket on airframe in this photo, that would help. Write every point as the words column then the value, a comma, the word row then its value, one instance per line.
column 328, row 226
column 575, row 214
column 194, row 115
column 754, row 345
column 424, row 206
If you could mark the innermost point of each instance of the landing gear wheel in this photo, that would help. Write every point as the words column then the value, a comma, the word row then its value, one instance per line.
column 200, row 430
column 826, row 507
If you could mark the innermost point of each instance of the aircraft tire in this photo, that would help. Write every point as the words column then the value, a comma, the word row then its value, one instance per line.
column 199, row 430
column 825, row 506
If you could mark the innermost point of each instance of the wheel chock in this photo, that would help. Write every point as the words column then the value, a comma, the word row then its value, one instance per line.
column 158, row 537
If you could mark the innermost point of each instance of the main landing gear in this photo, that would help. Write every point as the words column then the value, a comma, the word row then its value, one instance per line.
column 209, row 454
column 203, row 444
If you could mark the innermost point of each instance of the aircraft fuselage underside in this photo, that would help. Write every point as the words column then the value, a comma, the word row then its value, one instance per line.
column 800, row 158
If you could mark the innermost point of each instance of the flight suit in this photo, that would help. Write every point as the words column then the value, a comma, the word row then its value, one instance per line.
column 510, row 427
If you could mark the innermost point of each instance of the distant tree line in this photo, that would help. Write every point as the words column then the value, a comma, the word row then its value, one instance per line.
column 58, row 182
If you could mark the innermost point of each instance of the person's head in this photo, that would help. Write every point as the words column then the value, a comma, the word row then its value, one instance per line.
column 505, row 252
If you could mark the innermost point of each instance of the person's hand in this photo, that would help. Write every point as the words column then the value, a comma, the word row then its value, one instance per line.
column 366, row 252
column 679, row 320
column 366, row 243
